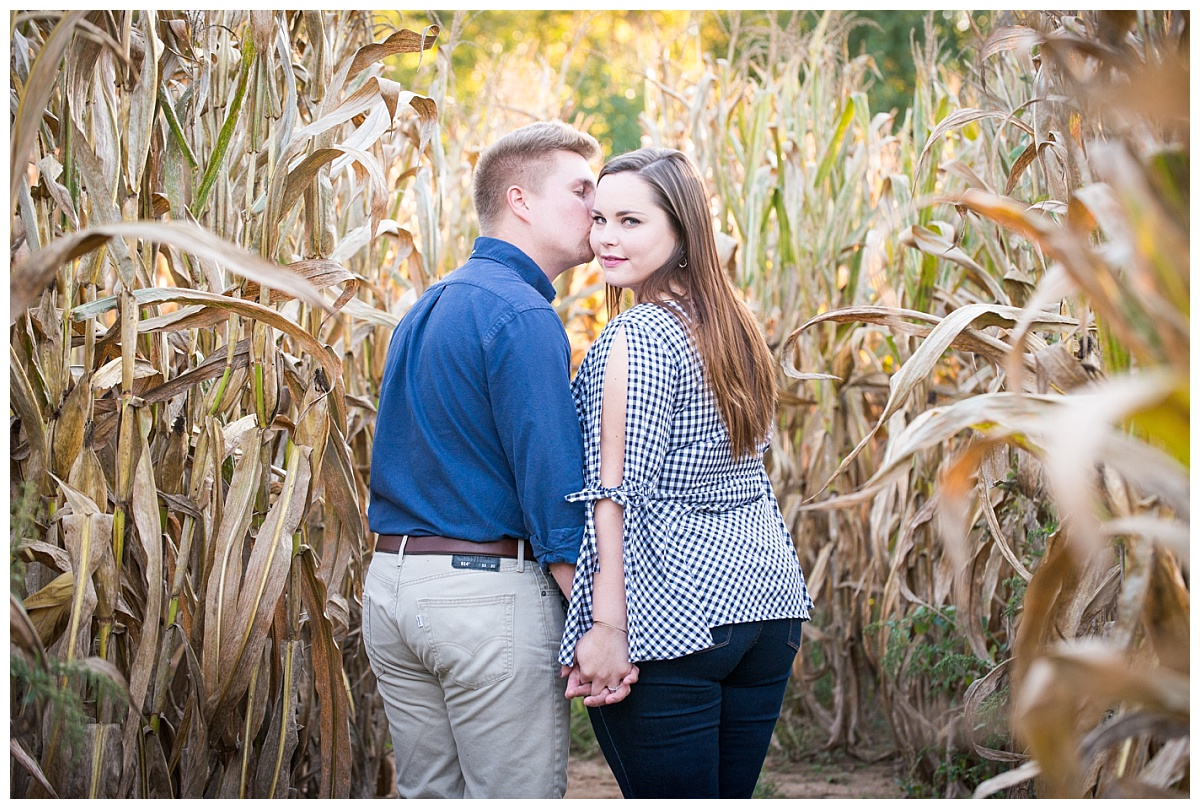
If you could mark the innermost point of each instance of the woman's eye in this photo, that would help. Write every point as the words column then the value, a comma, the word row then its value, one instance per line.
column 597, row 219
column 629, row 221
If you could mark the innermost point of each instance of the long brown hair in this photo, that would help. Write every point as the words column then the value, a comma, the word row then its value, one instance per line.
column 737, row 364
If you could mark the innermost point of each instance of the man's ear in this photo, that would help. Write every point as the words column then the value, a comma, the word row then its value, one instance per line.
column 518, row 203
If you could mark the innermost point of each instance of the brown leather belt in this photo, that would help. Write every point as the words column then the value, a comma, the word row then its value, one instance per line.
column 506, row 548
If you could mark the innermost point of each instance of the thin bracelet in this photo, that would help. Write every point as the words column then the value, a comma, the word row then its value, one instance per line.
column 610, row 626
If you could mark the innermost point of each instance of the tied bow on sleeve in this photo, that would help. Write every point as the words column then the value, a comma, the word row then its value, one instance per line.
column 626, row 496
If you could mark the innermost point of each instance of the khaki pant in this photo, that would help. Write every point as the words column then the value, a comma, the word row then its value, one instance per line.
column 466, row 664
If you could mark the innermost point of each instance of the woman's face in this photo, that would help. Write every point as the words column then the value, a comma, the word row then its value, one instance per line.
column 631, row 234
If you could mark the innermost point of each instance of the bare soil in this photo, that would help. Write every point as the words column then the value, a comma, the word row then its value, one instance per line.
column 824, row 777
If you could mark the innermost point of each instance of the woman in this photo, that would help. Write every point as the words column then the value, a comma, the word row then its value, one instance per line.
column 687, row 569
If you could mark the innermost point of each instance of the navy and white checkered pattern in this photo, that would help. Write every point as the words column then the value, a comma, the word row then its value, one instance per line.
column 705, row 543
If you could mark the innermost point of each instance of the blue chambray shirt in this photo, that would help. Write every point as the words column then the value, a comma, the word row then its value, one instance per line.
column 477, row 436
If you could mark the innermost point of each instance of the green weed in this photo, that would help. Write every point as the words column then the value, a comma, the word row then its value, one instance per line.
column 583, row 738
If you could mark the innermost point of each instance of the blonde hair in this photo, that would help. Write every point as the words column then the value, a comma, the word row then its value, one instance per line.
column 737, row 364
column 522, row 158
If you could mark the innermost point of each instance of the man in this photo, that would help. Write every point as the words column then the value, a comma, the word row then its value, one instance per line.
column 476, row 445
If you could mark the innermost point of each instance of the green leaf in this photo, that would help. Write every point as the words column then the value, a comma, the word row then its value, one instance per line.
column 217, row 159
column 834, row 149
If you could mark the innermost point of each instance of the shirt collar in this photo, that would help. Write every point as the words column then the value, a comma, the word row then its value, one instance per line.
column 514, row 257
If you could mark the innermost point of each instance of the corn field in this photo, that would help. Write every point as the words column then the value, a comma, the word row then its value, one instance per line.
column 980, row 309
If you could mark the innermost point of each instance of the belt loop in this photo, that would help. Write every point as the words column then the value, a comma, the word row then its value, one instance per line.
column 400, row 553
column 520, row 555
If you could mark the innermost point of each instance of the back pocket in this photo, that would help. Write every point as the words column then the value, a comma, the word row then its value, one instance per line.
column 794, row 627
column 471, row 638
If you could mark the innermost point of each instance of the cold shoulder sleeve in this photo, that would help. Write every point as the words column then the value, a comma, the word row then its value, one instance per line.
column 653, row 386
column 703, row 540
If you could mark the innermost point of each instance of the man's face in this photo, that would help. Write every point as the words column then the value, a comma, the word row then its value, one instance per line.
column 562, row 212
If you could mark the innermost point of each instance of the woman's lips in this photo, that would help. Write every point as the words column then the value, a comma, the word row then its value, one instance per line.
column 611, row 261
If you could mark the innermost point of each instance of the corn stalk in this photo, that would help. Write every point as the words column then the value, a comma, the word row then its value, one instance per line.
column 1081, row 431
column 198, row 199
column 947, row 294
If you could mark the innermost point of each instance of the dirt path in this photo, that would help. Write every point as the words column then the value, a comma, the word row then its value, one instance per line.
column 590, row 778
column 844, row 778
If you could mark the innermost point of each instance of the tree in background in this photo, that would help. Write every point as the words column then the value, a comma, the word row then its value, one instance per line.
column 606, row 55
column 889, row 37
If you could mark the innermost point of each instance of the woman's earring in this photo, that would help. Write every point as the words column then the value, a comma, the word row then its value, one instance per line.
column 683, row 262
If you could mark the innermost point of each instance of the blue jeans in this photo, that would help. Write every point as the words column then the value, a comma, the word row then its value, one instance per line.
column 699, row 726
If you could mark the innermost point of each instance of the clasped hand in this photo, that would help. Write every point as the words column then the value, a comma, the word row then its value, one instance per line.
column 602, row 673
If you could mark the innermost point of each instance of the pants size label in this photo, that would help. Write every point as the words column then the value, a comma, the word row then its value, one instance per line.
column 472, row 562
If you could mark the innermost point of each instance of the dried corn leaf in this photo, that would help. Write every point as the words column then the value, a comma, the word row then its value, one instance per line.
column 225, row 579
column 68, row 427
column 49, row 608
column 999, row 538
column 109, row 375
column 374, row 91
column 359, row 310
column 1049, row 702
column 25, row 405
column 974, row 586
column 976, row 695
column 1080, row 434
column 21, row 756
column 312, row 427
column 250, row 720
column 320, row 272
column 1105, row 292
column 1167, row 612
column 1027, row 771
column 42, row 81
column 90, row 768
column 273, row 777
column 923, row 361
column 1172, row 534
column 1059, row 370
column 49, row 170
column 139, row 126
column 192, row 746
column 342, row 544
column 248, row 309
column 963, row 117
column 301, row 178
column 87, row 475
column 937, row 245
column 52, row 556
column 262, row 584
column 403, row 41
column 1150, row 471
column 212, row 367
column 1171, row 764
column 329, row 678
column 32, row 275
column 148, row 532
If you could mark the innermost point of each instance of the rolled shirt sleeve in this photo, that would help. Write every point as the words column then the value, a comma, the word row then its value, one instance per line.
column 528, row 362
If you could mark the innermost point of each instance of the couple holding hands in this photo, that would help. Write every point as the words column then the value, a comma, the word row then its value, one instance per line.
column 618, row 531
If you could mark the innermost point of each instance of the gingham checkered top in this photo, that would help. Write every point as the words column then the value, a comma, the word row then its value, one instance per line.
column 705, row 543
